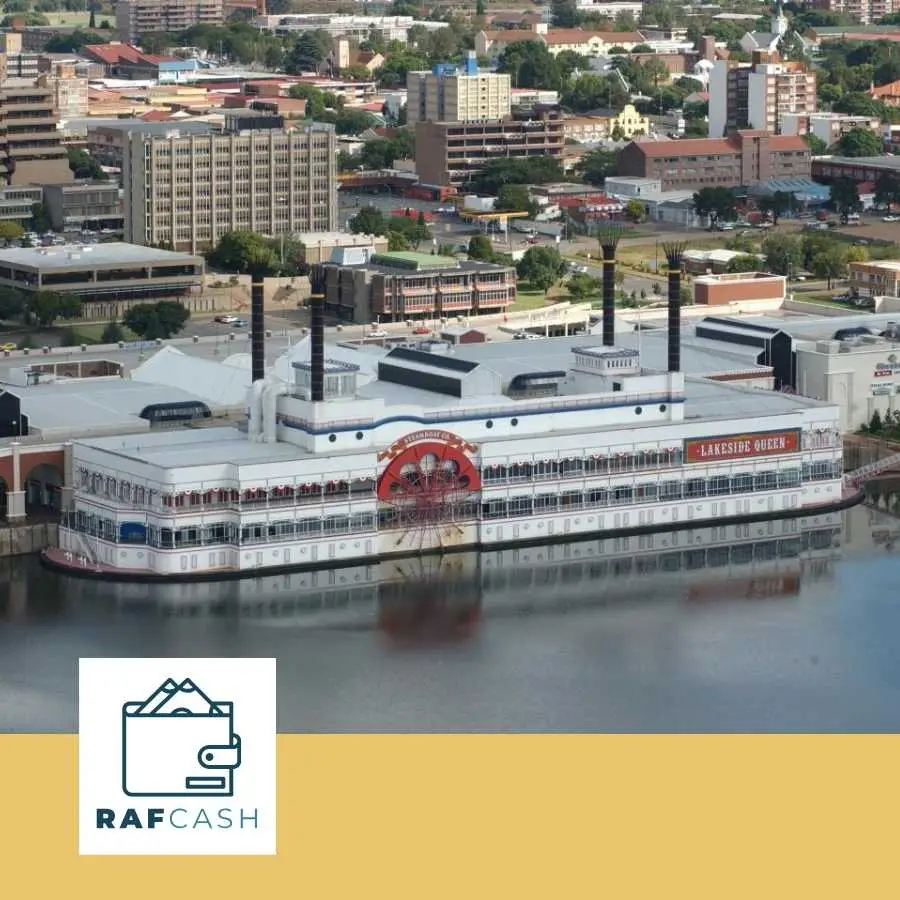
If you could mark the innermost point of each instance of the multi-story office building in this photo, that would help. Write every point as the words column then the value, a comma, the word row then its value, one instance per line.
column 31, row 150
column 745, row 158
column 759, row 94
column 185, row 191
column 829, row 127
column 84, row 206
column 449, row 94
column 399, row 286
column 449, row 153
column 137, row 17
column 68, row 91
column 866, row 12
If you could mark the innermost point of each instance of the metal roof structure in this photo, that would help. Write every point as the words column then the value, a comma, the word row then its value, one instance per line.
column 804, row 189
column 74, row 255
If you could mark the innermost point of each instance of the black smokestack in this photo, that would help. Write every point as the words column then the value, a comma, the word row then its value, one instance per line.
column 673, row 258
column 609, row 240
column 257, row 329
column 317, row 334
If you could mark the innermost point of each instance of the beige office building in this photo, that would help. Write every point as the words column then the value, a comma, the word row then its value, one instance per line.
column 456, row 98
column 31, row 149
column 137, row 17
column 184, row 192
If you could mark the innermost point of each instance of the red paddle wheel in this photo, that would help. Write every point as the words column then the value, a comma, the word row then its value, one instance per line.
column 427, row 487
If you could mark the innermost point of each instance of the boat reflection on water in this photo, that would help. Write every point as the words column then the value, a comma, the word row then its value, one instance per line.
column 440, row 598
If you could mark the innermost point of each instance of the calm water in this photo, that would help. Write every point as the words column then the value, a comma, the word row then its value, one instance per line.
column 768, row 630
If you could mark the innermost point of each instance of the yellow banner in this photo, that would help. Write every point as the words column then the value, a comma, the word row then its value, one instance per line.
column 500, row 817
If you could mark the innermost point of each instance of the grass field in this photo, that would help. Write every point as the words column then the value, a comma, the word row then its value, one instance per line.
column 528, row 299
column 75, row 19
column 91, row 333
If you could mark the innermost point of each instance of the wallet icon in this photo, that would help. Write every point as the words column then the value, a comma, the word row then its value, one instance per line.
column 179, row 743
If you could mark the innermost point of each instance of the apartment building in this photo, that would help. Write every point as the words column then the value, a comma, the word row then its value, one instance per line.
column 394, row 287
column 759, row 94
column 451, row 94
column 866, row 12
column 185, row 191
column 829, row 127
column 449, row 153
column 556, row 40
column 31, row 149
column 137, row 17
column 745, row 158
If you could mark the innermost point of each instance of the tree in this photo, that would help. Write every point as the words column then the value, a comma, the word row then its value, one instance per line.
column 40, row 218
column 83, row 165
column 829, row 265
column 782, row 253
column 480, row 8
column 581, row 286
column 152, row 321
column 598, row 165
column 564, row 13
column 353, row 121
column 844, row 197
column 369, row 220
column 817, row 147
column 480, row 247
column 776, row 204
column 515, row 198
column 530, row 64
column 715, row 203
column 12, row 303
column 308, row 52
column 11, row 231
column 860, row 142
column 42, row 308
column 542, row 267
column 244, row 251
column 112, row 333
column 531, row 170
column 746, row 262
column 887, row 189
column 635, row 211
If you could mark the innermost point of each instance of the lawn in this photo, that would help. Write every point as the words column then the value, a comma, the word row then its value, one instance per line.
column 821, row 300
column 529, row 299
column 74, row 19
column 91, row 333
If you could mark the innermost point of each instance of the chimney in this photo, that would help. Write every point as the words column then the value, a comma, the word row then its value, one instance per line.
column 317, row 333
column 674, row 253
column 257, row 329
column 609, row 240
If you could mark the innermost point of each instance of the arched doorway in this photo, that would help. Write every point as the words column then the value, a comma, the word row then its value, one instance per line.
column 43, row 489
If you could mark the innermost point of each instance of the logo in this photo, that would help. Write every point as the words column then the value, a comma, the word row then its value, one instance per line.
column 451, row 441
column 166, row 767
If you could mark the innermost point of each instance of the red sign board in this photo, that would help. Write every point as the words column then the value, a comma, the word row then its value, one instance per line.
column 742, row 446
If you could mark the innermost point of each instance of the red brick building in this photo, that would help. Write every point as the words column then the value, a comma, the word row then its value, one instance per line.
column 747, row 157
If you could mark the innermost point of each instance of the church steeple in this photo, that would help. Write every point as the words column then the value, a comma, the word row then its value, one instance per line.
column 779, row 21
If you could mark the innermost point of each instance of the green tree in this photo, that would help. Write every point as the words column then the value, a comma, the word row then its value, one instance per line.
column 152, row 321
column 887, row 189
column 715, row 203
column 480, row 247
column 776, row 204
column 817, row 147
column 782, row 253
column 635, row 210
column 480, row 8
column 42, row 308
column 83, row 165
column 353, row 121
column 746, row 262
column 860, row 142
column 581, row 286
column 530, row 64
column 369, row 220
column 597, row 165
column 11, row 231
column 309, row 51
column 397, row 241
column 531, row 170
column 12, row 303
column 844, row 197
column 515, row 198
column 40, row 218
column 243, row 251
column 112, row 333
column 829, row 265
column 542, row 267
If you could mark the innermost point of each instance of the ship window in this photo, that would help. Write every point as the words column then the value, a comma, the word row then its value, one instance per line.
column 489, row 423
column 638, row 410
column 332, row 438
column 359, row 435
column 513, row 422
column 662, row 407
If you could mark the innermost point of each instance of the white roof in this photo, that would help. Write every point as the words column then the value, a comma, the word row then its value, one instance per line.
column 219, row 385
column 75, row 255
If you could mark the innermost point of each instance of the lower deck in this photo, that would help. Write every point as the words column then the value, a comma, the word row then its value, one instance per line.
column 277, row 550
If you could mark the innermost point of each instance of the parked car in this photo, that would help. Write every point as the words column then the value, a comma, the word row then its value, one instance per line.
column 377, row 333
column 891, row 219
column 421, row 330
column 226, row 320
column 8, row 347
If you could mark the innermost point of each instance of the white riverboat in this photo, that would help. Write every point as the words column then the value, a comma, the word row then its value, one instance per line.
column 361, row 456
